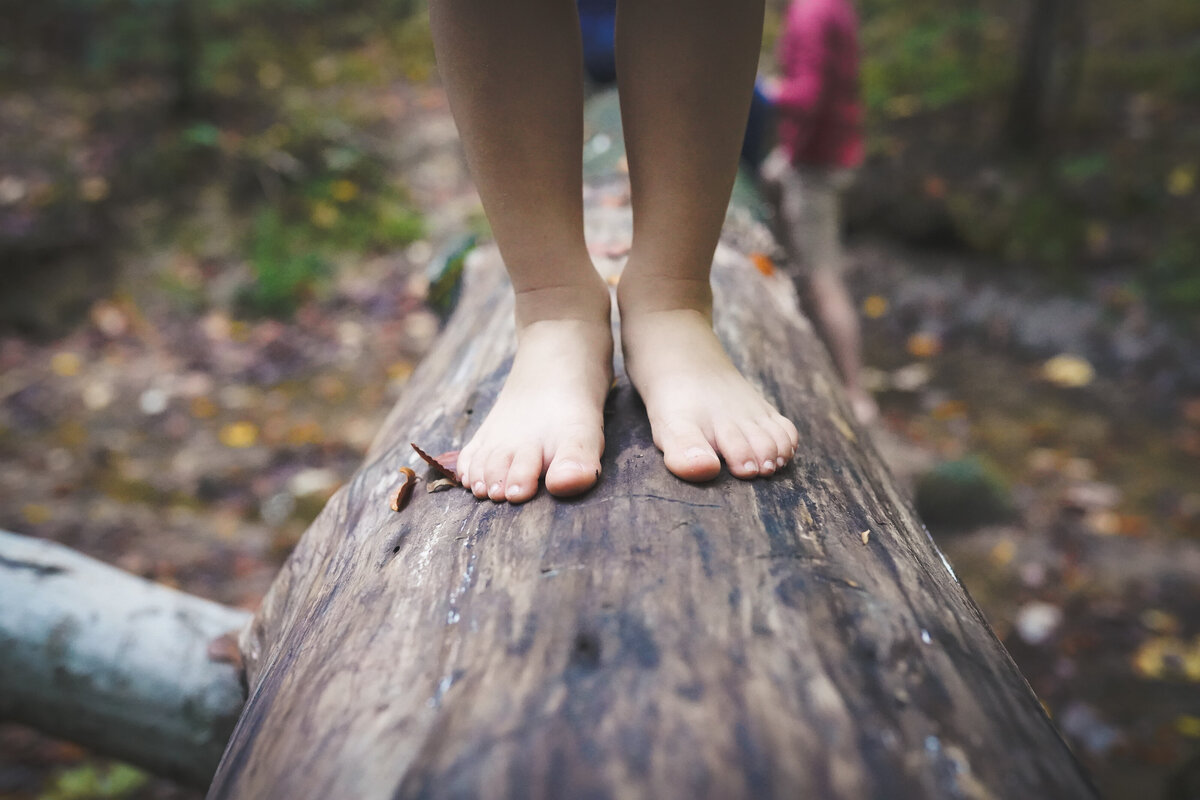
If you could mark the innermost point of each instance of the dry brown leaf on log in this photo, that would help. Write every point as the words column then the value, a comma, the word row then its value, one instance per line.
column 444, row 464
column 224, row 650
column 401, row 498
column 440, row 485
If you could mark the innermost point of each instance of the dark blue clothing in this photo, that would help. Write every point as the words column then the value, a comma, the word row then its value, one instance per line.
column 598, row 23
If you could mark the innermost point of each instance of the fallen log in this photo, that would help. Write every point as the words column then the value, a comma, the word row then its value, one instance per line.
column 124, row 666
column 799, row 636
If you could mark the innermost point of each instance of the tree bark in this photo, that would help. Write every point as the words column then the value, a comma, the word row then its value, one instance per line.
column 116, row 663
column 798, row 636
column 1048, row 71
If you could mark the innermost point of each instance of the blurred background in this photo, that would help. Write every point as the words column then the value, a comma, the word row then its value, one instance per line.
column 223, row 228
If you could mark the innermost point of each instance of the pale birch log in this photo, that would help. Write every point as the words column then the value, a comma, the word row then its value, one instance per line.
column 114, row 662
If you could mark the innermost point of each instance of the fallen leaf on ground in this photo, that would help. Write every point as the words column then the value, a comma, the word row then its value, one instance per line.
column 65, row 364
column 875, row 306
column 924, row 345
column 404, row 493
column 440, row 485
column 763, row 263
column 239, row 434
column 1068, row 371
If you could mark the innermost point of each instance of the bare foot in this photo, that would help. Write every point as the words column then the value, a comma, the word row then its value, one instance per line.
column 549, row 417
column 866, row 411
column 700, row 406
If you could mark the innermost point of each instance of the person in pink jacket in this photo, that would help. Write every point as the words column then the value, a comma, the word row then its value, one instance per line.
column 820, row 143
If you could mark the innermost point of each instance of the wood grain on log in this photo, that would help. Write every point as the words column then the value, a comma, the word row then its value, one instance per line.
column 652, row 638
column 114, row 662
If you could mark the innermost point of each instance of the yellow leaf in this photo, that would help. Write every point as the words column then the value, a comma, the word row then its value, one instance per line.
column 93, row 189
column 400, row 370
column 1150, row 659
column 1187, row 725
column 344, row 191
column 1182, row 180
column 239, row 434
column 203, row 408
column 924, row 345
column 35, row 513
column 324, row 215
column 1002, row 553
column 1068, row 371
column 875, row 306
column 1159, row 621
column 305, row 433
column 65, row 364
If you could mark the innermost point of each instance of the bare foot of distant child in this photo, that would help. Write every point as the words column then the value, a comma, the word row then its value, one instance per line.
column 866, row 410
column 549, row 417
column 701, row 409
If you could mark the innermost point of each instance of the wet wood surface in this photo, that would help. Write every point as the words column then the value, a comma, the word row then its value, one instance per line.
column 797, row 636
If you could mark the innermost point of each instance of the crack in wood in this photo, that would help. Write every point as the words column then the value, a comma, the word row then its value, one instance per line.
column 41, row 570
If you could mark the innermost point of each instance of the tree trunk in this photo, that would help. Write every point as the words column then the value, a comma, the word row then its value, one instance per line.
column 1048, row 72
column 116, row 663
column 798, row 636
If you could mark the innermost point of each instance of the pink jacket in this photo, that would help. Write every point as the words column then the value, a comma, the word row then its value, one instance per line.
column 820, row 115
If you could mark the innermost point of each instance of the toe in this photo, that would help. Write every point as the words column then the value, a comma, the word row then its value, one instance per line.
column 521, row 483
column 739, row 455
column 474, row 477
column 575, row 467
column 790, row 429
column 783, row 444
column 462, row 470
column 687, row 452
column 763, row 445
column 496, row 471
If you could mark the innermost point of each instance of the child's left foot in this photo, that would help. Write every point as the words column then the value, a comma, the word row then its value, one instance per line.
column 700, row 406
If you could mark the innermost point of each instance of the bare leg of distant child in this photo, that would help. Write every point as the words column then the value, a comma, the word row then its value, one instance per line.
column 513, row 74
column 686, row 72
column 838, row 322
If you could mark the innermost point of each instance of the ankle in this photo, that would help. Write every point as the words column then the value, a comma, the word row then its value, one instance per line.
column 639, row 293
column 587, row 301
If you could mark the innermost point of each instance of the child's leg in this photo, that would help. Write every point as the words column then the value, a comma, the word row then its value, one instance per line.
column 818, row 221
column 513, row 74
column 810, row 227
column 686, row 73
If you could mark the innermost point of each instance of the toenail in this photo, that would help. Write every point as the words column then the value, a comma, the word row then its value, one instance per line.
column 514, row 490
column 575, row 465
column 696, row 453
column 750, row 466
column 779, row 462
column 495, row 489
column 478, row 487
column 769, row 465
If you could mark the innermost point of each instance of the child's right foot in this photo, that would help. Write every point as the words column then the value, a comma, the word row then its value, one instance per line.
column 549, row 417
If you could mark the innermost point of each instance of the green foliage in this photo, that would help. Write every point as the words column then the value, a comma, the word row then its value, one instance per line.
column 285, row 271
column 90, row 782
column 1174, row 274
column 929, row 55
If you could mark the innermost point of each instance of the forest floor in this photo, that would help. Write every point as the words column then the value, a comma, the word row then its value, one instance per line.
column 194, row 446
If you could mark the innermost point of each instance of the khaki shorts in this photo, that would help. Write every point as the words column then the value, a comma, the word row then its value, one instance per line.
column 806, row 202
